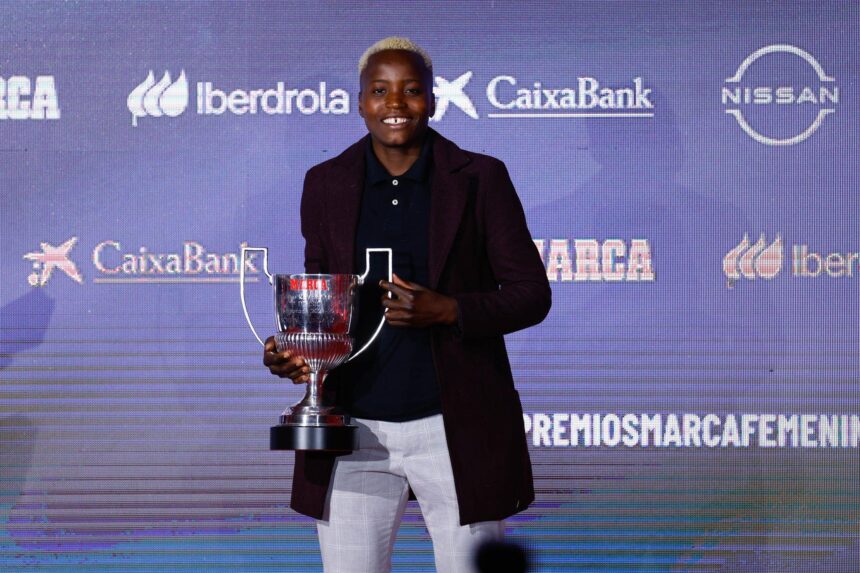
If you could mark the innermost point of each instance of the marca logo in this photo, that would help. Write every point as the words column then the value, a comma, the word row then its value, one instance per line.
column 612, row 260
column 50, row 258
column 735, row 95
column 308, row 284
column 765, row 261
column 169, row 98
column 22, row 99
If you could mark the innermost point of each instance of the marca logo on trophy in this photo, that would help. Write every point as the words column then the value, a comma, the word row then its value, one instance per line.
column 316, row 319
column 793, row 102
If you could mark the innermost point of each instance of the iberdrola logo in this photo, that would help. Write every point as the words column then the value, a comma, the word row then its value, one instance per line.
column 753, row 260
column 164, row 97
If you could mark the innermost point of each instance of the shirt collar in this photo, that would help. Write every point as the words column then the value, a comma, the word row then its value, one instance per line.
column 376, row 172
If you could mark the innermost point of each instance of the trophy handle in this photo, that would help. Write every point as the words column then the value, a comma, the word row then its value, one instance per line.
column 265, row 252
column 361, row 281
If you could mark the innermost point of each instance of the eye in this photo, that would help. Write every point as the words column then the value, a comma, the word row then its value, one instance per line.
column 378, row 91
column 413, row 91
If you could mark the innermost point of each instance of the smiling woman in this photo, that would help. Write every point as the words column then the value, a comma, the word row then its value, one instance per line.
column 466, row 272
column 396, row 101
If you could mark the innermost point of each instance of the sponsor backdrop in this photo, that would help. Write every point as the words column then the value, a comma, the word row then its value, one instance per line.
column 689, row 175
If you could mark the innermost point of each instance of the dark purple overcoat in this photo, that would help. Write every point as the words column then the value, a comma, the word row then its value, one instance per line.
column 481, row 253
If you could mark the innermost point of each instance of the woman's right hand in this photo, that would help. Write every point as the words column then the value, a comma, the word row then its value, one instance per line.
column 285, row 364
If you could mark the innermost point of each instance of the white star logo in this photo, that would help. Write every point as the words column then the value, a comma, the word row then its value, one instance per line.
column 52, row 257
column 452, row 92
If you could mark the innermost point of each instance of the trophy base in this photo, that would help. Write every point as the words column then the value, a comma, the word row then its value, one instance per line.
column 313, row 438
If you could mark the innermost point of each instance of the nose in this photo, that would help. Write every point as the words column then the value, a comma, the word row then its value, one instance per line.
column 394, row 99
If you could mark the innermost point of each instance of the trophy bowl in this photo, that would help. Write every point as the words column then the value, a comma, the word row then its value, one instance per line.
column 316, row 318
column 315, row 313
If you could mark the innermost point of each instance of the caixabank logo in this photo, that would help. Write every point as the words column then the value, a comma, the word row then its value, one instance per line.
column 453, row 92
column 166, row 97
column 765, row 260
column 113, row 262
column 49, row 258
column 780, row 95
column 24, row 98
column 510, row 97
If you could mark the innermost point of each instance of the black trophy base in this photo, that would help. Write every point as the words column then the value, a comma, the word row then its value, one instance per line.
column 313, row 438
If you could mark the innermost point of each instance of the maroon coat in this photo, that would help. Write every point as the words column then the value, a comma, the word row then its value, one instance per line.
column 481, row 253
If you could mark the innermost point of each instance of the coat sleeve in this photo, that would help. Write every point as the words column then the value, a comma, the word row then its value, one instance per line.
column 523, row 297
column 312, row 211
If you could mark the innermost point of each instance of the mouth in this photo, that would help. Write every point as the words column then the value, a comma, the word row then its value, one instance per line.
column 395, row 120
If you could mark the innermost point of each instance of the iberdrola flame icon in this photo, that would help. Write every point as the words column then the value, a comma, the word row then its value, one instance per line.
column 748, row 258
column 174, row 98
column 150, row 99
column 730, row 261
column 753, row 261
column 156, row 99
column 769, row 262
column 135, row 98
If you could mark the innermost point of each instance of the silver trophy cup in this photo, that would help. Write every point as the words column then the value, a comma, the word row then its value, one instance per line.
column 315, row 319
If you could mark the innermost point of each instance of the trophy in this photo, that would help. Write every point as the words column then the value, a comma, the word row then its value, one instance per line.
column 315, row 316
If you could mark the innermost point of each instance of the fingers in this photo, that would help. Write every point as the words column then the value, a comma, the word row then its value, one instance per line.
column 300, row 375
column 405, row 323
column 405, row 284
column 401, row 317
column 399, row 281
column 269, row 345
column 397, row 303
column 397, row 290
column 410, row 305
column 286, row 365
column 398, row 311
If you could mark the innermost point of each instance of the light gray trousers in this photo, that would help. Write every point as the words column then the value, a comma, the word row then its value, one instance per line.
column 368, row 496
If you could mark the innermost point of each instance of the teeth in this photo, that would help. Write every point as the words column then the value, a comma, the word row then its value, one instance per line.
column 394, row 120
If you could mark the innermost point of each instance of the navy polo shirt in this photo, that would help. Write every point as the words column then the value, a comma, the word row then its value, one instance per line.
column 395, row 379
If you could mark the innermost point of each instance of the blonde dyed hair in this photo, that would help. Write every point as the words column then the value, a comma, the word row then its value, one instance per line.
column 395, row 43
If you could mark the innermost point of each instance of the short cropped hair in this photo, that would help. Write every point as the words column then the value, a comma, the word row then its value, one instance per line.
column 395, row 43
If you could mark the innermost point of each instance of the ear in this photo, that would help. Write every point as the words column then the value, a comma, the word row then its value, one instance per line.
column 431, row 86
column 360, row 107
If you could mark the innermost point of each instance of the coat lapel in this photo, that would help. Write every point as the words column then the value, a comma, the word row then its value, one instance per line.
column 343, row 194
column 449, row 191
column 448, row 196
